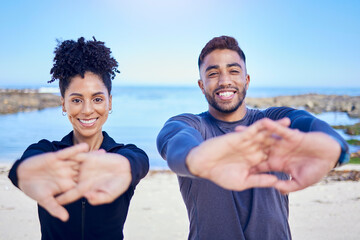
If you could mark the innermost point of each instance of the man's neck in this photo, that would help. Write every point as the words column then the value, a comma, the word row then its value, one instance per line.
column 229, row 117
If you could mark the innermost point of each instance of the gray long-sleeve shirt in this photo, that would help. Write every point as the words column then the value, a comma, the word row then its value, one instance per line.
column 216, row 213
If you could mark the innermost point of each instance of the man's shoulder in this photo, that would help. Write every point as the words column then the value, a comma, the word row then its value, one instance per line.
column 188, row 118
column 276, row 113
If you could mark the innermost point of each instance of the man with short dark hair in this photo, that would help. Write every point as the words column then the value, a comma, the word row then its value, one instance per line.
column 233, row 163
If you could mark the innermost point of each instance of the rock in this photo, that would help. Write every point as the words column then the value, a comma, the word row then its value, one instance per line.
column 14, row 100
column 355, row 154
column 315, row 103
column 342, row 175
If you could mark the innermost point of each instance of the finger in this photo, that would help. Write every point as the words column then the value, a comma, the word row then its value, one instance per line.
column 71, row 151
column 251, row 136
column 280, row 130
column 240, row 128
column 69, row 196
column 284, row 122
column 268, row 141
column 261, row 167
column 100, row 151
column 262, row 129
column 76, row 167
column 99, row 197
column 55, row 209
column 80, row 157
column 64, row 175
column 67, row 184
column 287, row 186
column 76, row 179
column 258, row 126
column 261, row 180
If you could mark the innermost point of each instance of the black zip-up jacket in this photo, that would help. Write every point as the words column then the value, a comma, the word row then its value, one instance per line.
column 87, row 221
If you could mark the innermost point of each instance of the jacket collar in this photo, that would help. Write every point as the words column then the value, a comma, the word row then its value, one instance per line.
column 107, row 144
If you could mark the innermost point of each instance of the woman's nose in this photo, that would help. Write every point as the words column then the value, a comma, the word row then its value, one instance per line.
column 88, row 108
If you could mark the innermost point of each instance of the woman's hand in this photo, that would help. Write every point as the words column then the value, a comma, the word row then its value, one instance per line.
column 103, row 177
column 46, row 175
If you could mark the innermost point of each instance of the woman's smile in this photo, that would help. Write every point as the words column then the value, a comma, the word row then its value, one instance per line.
column 87, row 122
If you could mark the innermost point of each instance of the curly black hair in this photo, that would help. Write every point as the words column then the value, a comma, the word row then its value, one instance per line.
column 75, row 58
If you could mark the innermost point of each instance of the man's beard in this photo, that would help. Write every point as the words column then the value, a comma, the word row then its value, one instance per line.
column 226, row 108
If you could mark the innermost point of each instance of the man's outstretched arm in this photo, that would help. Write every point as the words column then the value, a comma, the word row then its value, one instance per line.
column 307, row 155
column 226, row 160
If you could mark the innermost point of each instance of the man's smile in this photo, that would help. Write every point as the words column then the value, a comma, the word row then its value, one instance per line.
column 226, row 94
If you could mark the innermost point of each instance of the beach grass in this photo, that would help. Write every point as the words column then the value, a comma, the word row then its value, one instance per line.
column 353, row 142
column 349, row 129
column 354, row 160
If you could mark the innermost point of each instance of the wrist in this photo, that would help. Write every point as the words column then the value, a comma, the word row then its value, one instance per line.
column 344, row 154
column 190, row 162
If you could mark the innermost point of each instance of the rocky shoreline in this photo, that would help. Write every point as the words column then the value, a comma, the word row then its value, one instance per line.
column 24, row 100
column 14, row 100
column 315, row 103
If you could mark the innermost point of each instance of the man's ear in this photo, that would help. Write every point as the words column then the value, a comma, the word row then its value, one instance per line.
column 247, row 78
column 201, row 85
column 63, row 104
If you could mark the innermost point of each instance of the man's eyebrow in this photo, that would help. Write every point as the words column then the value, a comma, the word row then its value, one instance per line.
column 76, row 94
column 212, row 67
column 234, row 65
column 80, row 95
column 98, row 93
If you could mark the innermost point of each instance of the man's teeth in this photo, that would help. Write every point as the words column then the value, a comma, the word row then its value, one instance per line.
column 88, row 121
column 226, row 94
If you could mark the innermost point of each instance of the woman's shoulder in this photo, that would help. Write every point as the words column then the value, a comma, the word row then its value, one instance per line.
column 45, row 145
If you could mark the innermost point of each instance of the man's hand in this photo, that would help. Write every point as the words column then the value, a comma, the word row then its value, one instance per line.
column 43, row 176
column 307, row 157
column 103, row 177
column 228, row 160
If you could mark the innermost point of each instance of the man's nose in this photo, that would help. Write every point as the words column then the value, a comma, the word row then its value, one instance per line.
column 224, row 79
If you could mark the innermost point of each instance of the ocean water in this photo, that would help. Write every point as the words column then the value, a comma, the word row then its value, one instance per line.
column 138, row 115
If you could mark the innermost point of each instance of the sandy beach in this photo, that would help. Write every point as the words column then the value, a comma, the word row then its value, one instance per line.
column 328, row 210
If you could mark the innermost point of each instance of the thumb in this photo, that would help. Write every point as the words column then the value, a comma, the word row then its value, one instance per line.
column 55, row 209
column 285, row 122
column 71, row 151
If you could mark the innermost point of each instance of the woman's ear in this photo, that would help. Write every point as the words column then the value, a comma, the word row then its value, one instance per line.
column 63, row 104
column 110, row 103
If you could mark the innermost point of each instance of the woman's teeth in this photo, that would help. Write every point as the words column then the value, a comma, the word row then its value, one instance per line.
column 87, row 121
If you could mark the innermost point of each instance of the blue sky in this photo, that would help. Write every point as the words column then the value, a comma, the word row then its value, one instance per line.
column 287, row 43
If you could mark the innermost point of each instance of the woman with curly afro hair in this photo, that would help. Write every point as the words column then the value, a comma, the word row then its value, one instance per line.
column 87, row 179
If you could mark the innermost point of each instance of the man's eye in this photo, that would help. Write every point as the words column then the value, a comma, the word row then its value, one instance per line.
column 213, row 74
column 234, row 71
column 97, row 100
column 76, row 100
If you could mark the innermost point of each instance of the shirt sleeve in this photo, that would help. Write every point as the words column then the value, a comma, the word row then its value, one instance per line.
column 34, row 149
column 139, row 162
column 305, row 122
column 175, row 141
